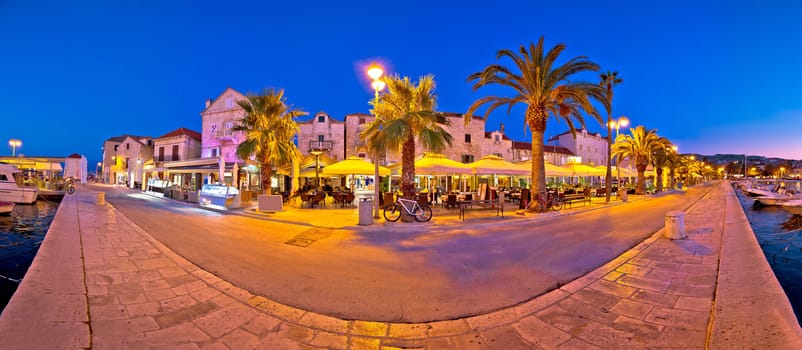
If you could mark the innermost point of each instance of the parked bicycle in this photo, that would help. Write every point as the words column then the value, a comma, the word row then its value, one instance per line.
column 393, row 212
column 542, row 204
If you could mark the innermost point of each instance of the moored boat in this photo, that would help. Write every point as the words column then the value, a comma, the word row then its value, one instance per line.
column 774, row 199
column 6, row 207
column 12, row 188
column 793, row 206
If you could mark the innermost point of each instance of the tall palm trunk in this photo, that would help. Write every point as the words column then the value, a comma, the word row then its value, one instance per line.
column 408, row 167
column 536, row 117
column 659, row 171
column 672, row 179
column 608, row 181
column 641, row 187
column 267, row 174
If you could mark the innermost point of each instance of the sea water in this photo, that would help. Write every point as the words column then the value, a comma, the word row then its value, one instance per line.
column 779, row 234
column 21, row 234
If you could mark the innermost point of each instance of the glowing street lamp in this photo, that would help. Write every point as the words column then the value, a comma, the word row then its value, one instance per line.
column 617, row 124
column 317, row 154
column 14, row 143
column 375, row 73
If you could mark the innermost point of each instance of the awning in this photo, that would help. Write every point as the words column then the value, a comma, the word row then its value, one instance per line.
column 353, row 166
column 495, row 165
column 435, row 164
column 551, row 169
column 585, row 170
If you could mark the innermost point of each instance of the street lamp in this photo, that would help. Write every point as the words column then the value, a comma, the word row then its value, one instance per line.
column 317, row 154
column 622, row 121
column 14, row 143
column 98, row 170
column 375, row 73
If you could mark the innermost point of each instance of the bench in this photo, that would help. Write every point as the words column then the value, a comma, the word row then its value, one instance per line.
column 579, row 197
column 480, row 205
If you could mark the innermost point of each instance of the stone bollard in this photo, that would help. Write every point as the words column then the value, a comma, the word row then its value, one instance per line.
column 675, row 225
column 100, row 198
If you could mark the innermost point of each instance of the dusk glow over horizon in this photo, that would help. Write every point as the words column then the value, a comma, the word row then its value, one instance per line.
column 713, row 77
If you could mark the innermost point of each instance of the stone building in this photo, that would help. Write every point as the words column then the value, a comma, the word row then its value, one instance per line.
column 554, row 154
column 590, row 148
column 125, row 158
column 322, row 133
column 217, row 120
column 179, row 144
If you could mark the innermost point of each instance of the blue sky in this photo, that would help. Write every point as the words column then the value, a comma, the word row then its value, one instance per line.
column 712, row 76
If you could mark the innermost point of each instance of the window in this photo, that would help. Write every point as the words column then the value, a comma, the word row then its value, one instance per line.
column 361, row 155
column 361, row 120
column 3, row 177
column 321, row 119
column 498, row 155
column 115, row 147
column 161, row 154
column 580, row 147
column 320, row 138
column 175, row 152
column 127, row 146
column 214, row 152
column 496, row 138
column 467, row 158
column 467, row 138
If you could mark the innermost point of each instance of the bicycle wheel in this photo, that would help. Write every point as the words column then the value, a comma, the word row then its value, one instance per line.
column 392, row 213
column 557, row 204
column 423, row 214
column 539, row 205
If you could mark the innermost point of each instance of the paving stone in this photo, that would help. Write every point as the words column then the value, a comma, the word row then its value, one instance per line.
column 613, row 288
column 560, row 318
column 223, row 320
column 539, row 333
column 108, row 312
column 644, row 332
column 680, row 338
column 296, row 333
column 330, row 340
column 159, row 294
column 205, row 294
column 186, row 314
column 448, row 328
column 644, row 283
column 694, row 303
column 635, row 270
column 577, row 344
column 640, row 261
column 596, row 298
column 403, row 343
column 597, row 313
column 141, row 276
column 631, row 308
column 323, row 322
column 364, row 343
column 176, row 303
column 468, row 342
column 407, row 331
column 172, row 336
column 653, row 298
column 692, row 320
column 262, row 324
column 367, row 328
column 240, row 340
column 180, row 279
column 607, row 337
column 612, row 276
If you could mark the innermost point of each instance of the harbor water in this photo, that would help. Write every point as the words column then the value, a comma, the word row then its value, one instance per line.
column 779, row 234
column 21, row 234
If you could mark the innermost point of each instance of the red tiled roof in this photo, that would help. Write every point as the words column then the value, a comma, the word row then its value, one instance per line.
column 487, row 135
column 181, row 132
column 75, row 155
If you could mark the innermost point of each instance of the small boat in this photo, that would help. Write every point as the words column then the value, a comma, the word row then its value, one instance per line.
column 793, row 206
column 51, row 195
column 6, row 207
column 12, row 188
column 774, row 199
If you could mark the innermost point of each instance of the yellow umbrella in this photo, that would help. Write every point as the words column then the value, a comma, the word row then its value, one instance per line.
column 435, row 164
column 551, row 169
column 495, row 165
column 585, row 170
column 353, row 166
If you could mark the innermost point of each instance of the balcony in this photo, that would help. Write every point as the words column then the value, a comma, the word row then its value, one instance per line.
column 320, row 145
column 225, row 134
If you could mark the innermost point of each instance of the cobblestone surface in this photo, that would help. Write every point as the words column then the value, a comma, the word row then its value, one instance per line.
column 141, row 295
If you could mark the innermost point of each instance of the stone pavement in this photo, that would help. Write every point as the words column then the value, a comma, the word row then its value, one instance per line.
column 99, row 281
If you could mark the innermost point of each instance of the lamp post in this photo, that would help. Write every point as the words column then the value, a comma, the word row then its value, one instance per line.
column 14, row 143
column 317, row 154
column 622, row 121
column 375, row 73
column 97, row 171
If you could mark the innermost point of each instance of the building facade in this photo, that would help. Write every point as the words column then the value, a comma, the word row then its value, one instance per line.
column 179, row 144
column 217, row 122
column 590, row 148
column 125, row 158
column 556, row 155
column 324, row 134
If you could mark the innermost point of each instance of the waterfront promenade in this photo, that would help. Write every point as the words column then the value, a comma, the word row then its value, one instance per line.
column 102, row 281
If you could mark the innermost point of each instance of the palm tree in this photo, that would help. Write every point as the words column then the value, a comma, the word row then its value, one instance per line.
column 674, row 162
column 660, row 158
column 546, row 89
column 608, row 81
column 406, row 114
column 269, row 126
column 638, row 146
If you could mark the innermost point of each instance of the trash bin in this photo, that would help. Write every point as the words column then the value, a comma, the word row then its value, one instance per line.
column 100, row 198
column 623, row 194
column 675, row 225
column 365, row 211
